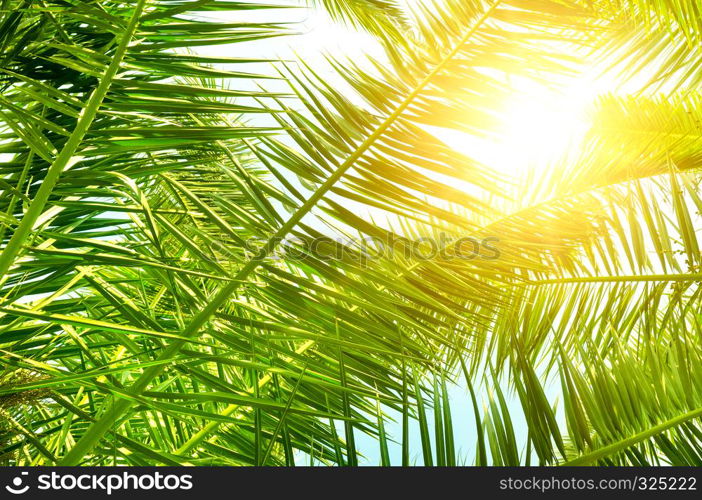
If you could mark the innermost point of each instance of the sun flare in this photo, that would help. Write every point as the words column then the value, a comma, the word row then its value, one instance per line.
column 537, row 127
column 541, row 126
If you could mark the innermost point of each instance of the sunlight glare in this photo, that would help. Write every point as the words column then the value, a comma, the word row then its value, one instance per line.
column 541, row 126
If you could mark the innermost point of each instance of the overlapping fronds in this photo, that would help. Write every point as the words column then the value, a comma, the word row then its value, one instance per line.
column 173, row 290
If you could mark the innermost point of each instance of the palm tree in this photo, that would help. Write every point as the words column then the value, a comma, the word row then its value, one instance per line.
column 168, row 218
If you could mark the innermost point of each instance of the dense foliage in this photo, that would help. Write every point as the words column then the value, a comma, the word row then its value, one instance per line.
column 165, row 297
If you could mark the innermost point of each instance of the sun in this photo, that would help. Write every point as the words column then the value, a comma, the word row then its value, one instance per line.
column 541, row 125
column 538, row 127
